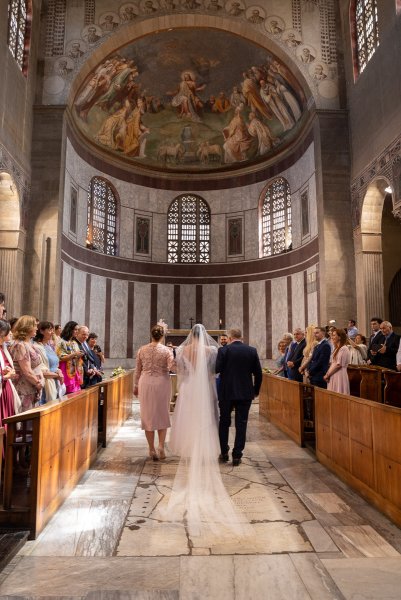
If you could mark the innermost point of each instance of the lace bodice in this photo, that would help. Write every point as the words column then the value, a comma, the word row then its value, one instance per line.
column 154, row 359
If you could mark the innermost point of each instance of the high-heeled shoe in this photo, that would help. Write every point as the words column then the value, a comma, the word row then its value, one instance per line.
column 153, row 455
column 162, row 454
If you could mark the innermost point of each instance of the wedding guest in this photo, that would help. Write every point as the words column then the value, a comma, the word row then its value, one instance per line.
column 294, row 356
column 223, row 339
column 358, row 350
column 376, row 339
column 398, row 357
column 337, row 376
column 307, row 353
column 70, row 357
column 27, row 362
column 56, row 337
column 288, row 338
column 2, row 304
column 281, row 347
column 319, row 362
column 91, row 375
column 53, row 375
column 385, row 355
column 10, row 404
column 152, row 385
column 352, row 329
column 98, row 356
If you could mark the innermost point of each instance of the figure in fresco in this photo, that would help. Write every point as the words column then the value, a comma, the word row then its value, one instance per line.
column 148, row 7
column 112, row 132
column 255, row 17
column 91, row 35
column 187, row 99
column 95, row 88
column 274, row 27
column 191, row 4
column 271, row 98
column 292, row 41
column 237, row 97
column 237, row 138
column 235, row 10
column 285, row 94
column 253, row 98
column 319, row 73
column 306, row 56
column 108, row 23
column 125, row 74
column 214, row 6
column 128, row 14
column 262, row 133
column 222, row 104
column 133, row 137
column 75, row 51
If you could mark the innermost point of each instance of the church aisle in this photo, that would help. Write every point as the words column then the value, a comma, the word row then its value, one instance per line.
column 314, row 538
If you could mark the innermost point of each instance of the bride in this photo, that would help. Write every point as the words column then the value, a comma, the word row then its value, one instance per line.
column 198, row 496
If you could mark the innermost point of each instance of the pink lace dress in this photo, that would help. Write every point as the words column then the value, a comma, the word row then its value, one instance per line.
column 339, row 381
column 26, row 362
column 153, row 363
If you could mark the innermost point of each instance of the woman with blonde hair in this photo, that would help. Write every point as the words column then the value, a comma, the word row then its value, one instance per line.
column 337, row 375
column 153, row 387
column 281, row 347
column 308, row 350
column 27, row 362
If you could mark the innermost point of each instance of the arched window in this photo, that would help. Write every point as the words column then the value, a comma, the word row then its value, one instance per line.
column 365, row 32
column 19, row 17
column 188, row 236
column 276, row 218
column 102, row 217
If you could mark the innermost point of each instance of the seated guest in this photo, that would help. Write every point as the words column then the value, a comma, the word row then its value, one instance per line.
column 352, row 329
column 307, row 352
column 294, row 356
column 281, row 347
column 10, row 404
column 337, row 375
column 98, row 356
column 385, row 355
column 27, row 361
column 91, row 373
column 70, row 357
column 319, row 363
column 51, row 372
column 376, row 339
column 358, row 351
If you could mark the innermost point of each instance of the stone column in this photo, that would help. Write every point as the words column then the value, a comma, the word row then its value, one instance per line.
column 12, row 250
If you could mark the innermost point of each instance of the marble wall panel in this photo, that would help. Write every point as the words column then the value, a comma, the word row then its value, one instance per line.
column 165, row 304
column 210, row 306
column 118, row 318
column 82, row 216
column 298, row 301
column 187, row 305
column 159, row 237
column 279, row 310
column 257, row 317
column 296, row 225
column 79, row 293
column 141, row 315
column 97, row 307
column 313, row 308
column 65, row 294
column 66, row 209
column 312, row 206
column 126, row 233
column 234, row 308
column 251, row 234
column 218, row 241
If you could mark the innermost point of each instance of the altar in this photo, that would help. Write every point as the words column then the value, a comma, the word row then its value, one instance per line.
column 177, row 336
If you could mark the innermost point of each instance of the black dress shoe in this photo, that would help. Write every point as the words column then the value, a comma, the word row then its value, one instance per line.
column 236, row 462
column 223, row 458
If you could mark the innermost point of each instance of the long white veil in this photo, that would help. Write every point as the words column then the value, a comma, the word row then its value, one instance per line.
column 198, row 496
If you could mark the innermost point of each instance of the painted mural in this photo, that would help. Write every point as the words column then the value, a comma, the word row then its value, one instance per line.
column 191, row 100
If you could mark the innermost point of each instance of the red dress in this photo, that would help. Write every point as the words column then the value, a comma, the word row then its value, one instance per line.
column 6, row 396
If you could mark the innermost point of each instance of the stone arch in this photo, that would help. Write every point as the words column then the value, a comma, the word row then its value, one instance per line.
column 12, row 243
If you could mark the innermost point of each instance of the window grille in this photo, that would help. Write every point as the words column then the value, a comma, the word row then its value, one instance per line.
column 188, row 236
column 17, row 38
column 102, row 217
column 276, row 218
column 366, row 31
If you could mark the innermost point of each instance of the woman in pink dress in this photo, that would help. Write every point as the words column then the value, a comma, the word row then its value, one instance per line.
column 9, row 400
column 337, row 375
column 153, row 386
column 70, row 357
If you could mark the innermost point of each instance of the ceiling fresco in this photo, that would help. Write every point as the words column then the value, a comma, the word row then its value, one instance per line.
column 191, row 101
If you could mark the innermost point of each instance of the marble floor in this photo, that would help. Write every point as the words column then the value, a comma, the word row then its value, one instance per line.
column 313, row 538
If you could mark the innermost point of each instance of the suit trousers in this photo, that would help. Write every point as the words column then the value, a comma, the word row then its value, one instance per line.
column 241, row 408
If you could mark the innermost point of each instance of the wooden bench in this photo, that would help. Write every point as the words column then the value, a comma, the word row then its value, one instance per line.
column 61, row 440
column 365, row 382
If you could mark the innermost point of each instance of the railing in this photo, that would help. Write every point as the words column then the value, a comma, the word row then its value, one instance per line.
column 49, row 448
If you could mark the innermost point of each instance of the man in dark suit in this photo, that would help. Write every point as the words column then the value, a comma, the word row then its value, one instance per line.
column 237, row 363
column 91, row 373
column 295, row 355
column 319, row 363
column 386, row 355
column 376, row 339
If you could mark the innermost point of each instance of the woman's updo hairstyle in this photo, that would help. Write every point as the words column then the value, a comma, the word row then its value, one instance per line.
column 157, row 332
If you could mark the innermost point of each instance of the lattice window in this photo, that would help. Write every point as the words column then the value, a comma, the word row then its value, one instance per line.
column 366, row 31
column 188, row 236
column 18, row 31
column 276, row 218
column 102, row 217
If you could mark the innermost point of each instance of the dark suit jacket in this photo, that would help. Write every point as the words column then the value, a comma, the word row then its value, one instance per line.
column 89, row 362
column 295, row 355
column 319, row 362
column 236, row 363
column 375, row 343
column 388, row 360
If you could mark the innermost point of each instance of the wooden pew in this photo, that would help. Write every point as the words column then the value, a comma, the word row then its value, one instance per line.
column 392, row 391
column 365, row 382
column 63, row 439
column 2, row 433
column 115, row 404
column 359, row 441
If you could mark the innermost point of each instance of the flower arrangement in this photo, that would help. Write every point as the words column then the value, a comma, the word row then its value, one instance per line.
column 266, row 370
column 118, row 371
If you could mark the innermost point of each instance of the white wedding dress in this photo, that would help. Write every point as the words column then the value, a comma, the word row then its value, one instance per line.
column 198, row 497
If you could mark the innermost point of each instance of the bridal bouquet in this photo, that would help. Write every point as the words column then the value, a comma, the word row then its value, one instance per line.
column 118, row 371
